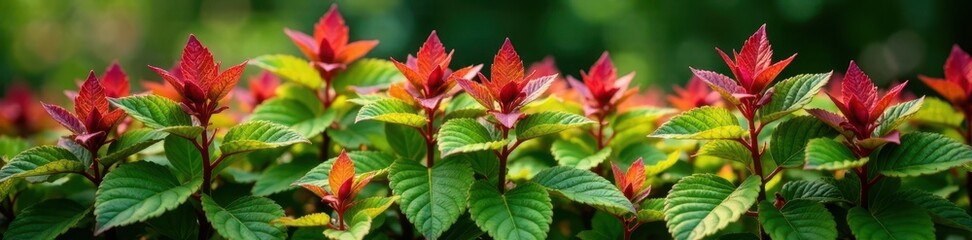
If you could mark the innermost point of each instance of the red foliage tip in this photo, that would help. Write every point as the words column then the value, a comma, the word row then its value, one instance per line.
column 602, row 90
column 343, row 185
column 329, row 47
column 115, row 81
column 20, row 113
column 859, row 102
column 93, row 119
column 752, row 67
column 429, row 76
column 198, row 79
column 631, row 182
column 508, row 90
column 694, row 94
column 262, row 87
column 957, row 85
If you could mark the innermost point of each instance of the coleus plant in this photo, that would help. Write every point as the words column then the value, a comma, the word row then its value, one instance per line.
column 870, row 146
column 320, row 84
column 760, row 102
column 354, row 215
column 191, row 163
column 415, row 106
column 956, row 88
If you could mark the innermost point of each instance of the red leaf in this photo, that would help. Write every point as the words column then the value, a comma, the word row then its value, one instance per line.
column 305, row 43
column 636, row 174
column 948, row 89
column 331, row 27
column 858, row 84
column 226, row 81
column 197, row 64
column 886, row 101
column 620, row 179
column 835, row 121
column 65, row 118
column 172, row 80
column 355, row 51
column 507, row 66
column 536, row 87
column 410, row 74
column 767, row 75
column 754, row 56
column 115, row 82
column 477, row 91
column 90, row 98
column 341, row 172
column 958, row 68
column 432, row 54
column 317, row 190
column 508, row 119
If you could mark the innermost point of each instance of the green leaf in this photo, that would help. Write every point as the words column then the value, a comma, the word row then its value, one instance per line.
column 368, row 72
column 896, row 115
column 138, row 191
column 392, row 110
column 585, row 187
column 827, row 154
column 132, row 142
column 184, row 158
column 247, row 217
column 728, row 150
column 467, row 135
column 187, row 132
column 818, row 191
column 309, row 220
column 406, row 142
column 702, row 204
column 578, row 155
column 358, row 228
column 704, row 123
column 177, row 224
column 153, row 110
column 791, row 137
column 652, row 210
column 431, row 198
column 38, row 162
column 277, row 178
column 921, row 153
column 898, row 221
column 603, row 227
column 258, row 135
column 463, row 106
column 543, row 123
column 46, row 220
column 791, row 95
column 372, row 206
column 942, row 210
column 306, row 120
column 364, row 162
column 524, row 212
column 798, row 219
column 641, row 116
column 936, row 111
column 10, row 146
column 290, row 68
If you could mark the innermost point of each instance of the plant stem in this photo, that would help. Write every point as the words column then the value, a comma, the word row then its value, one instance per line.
column 503, row 155
column 748, row 109
column 865, row 185
column 430, row 140
column 203, row 147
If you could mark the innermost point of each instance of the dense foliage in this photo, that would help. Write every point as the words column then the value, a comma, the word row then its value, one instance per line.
column 335, row 145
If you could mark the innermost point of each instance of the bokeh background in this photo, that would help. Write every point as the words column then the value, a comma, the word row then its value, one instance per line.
column 50, row 44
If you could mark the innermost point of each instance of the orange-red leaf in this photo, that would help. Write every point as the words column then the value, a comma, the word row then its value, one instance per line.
column 636, row 174
column 331, row 27
column 341, row 172
column 197, row 64
column 226, row 81
column 507, row 65
column 431, row 54
column 90, row 98
column 65, row 118
column 356, row 50
column 950, row 90
column 115, row 82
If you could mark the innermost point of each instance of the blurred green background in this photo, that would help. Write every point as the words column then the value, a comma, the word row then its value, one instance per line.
column 49, row 44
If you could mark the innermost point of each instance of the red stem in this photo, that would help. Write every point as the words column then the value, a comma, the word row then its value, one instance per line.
column 504, row 154
column 430, row 140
